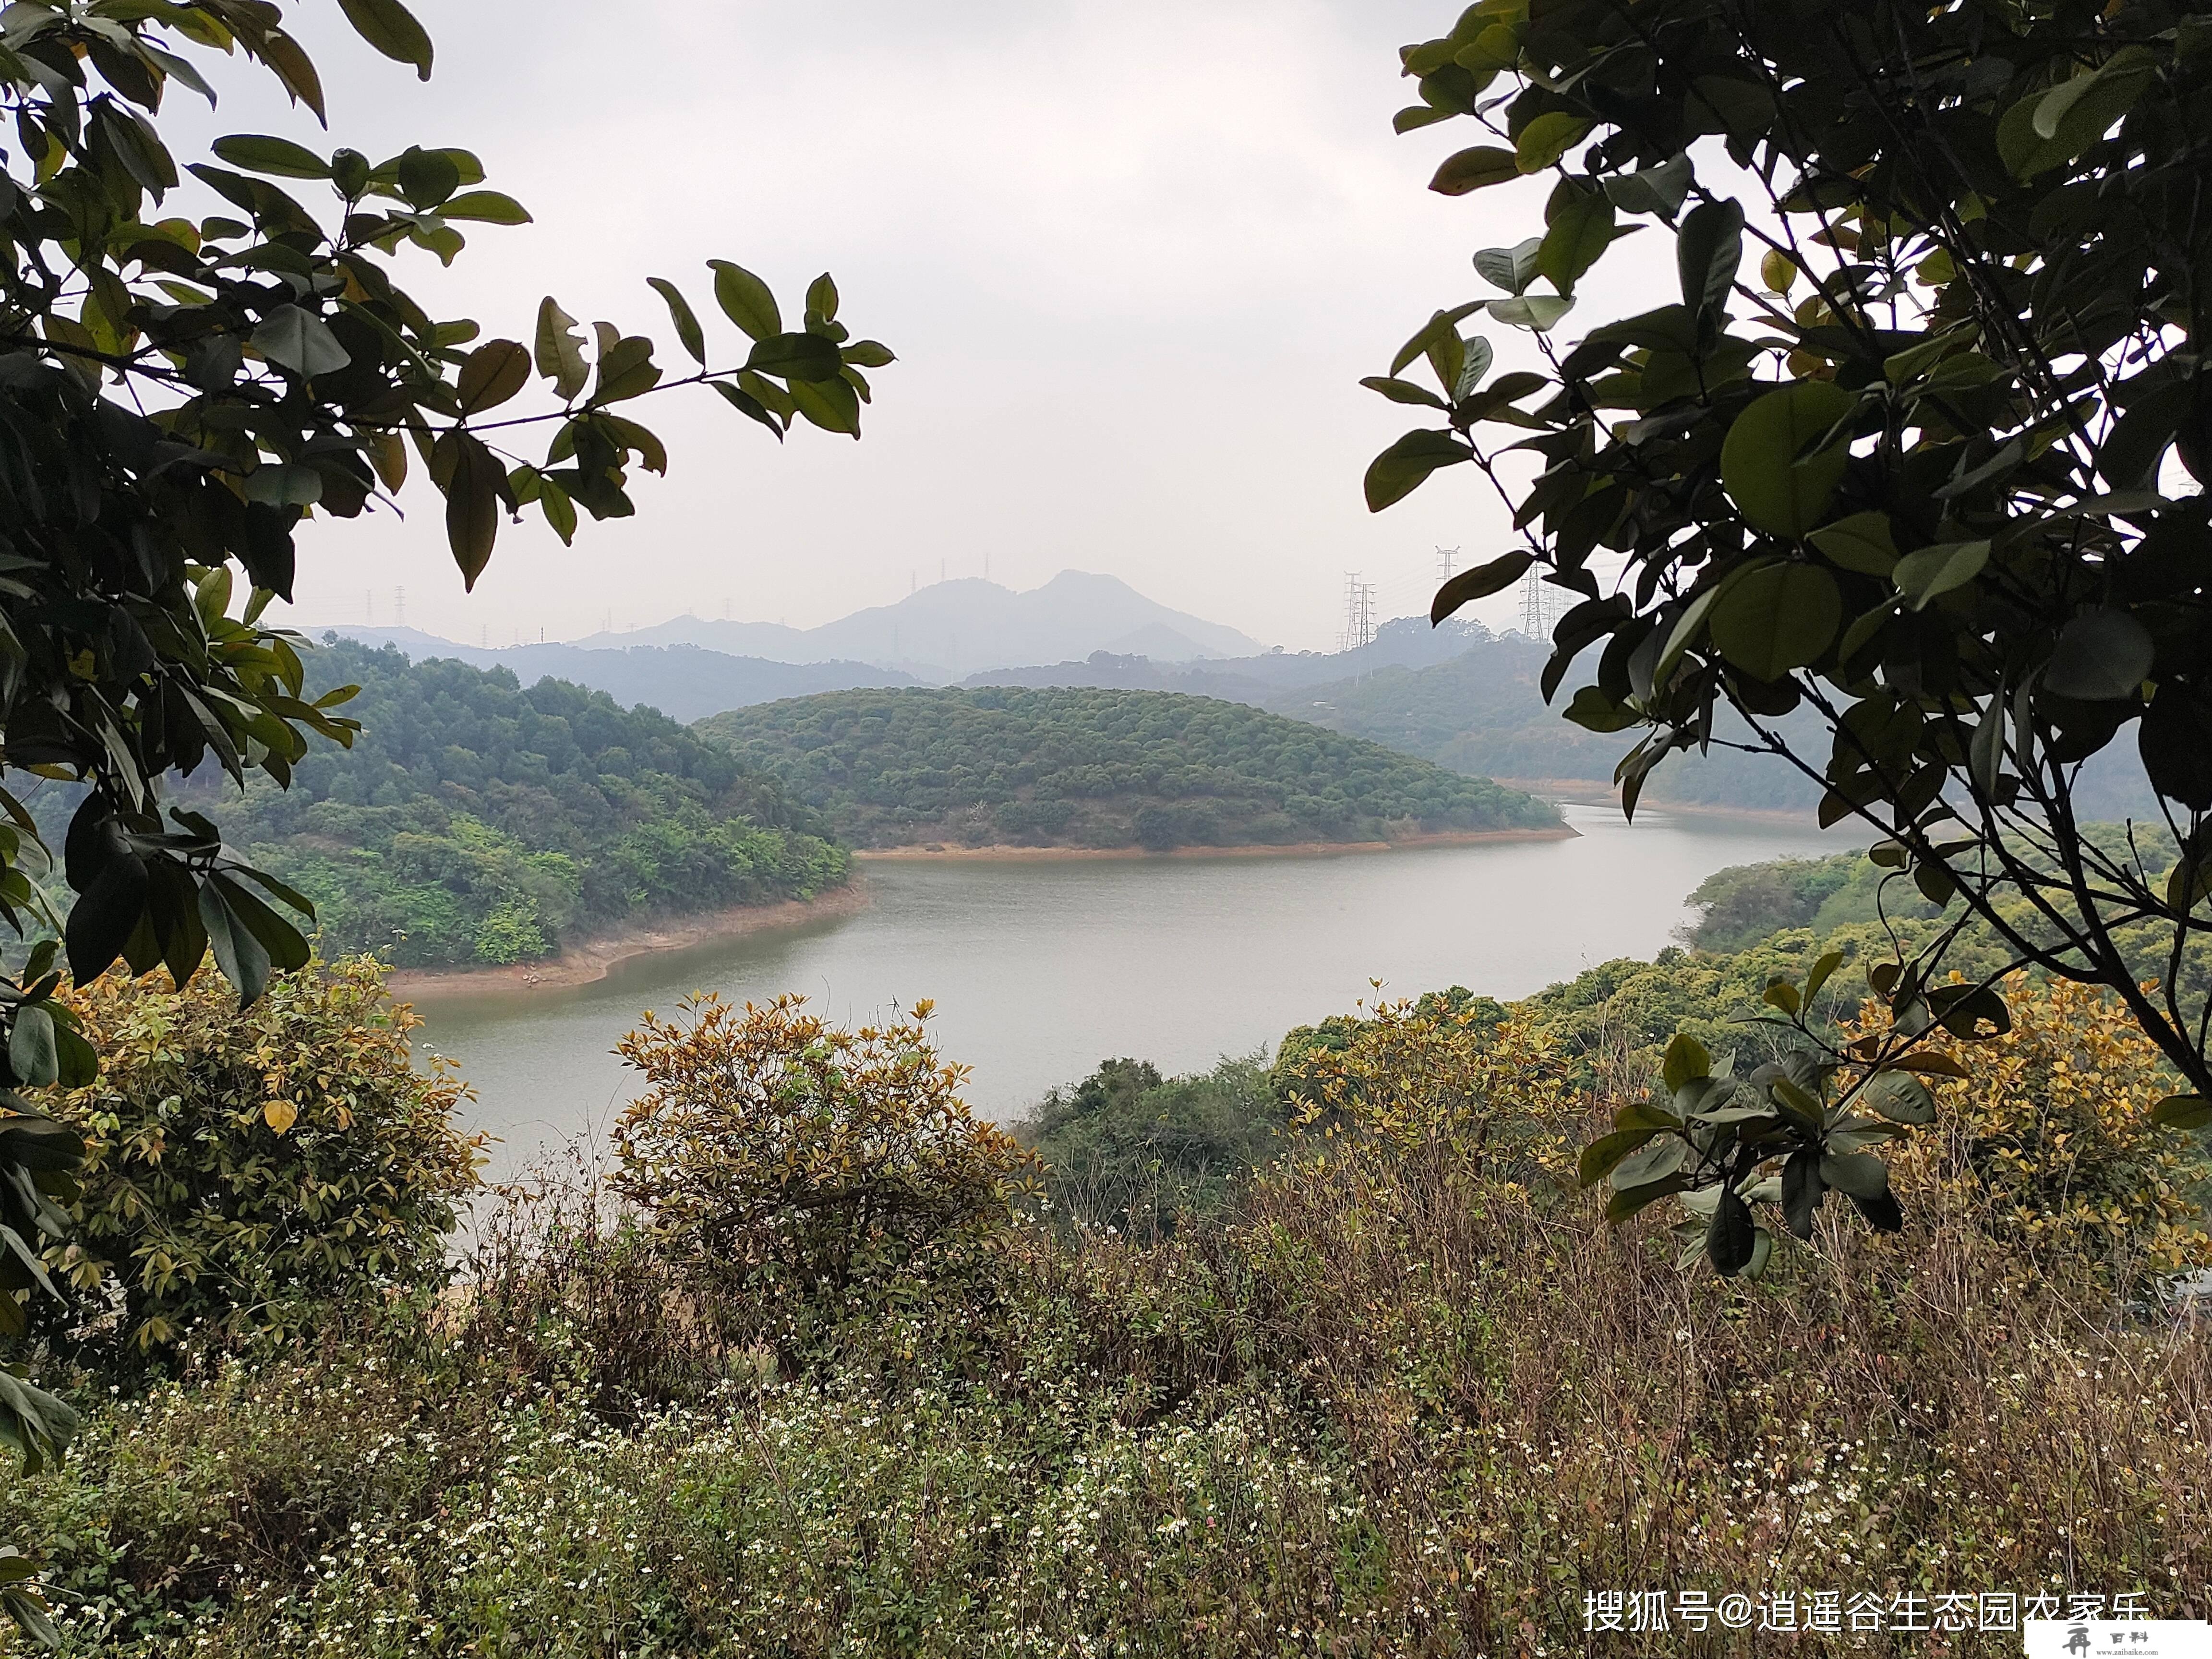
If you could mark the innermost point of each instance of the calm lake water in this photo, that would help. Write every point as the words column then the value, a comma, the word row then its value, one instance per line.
column 1042, row 970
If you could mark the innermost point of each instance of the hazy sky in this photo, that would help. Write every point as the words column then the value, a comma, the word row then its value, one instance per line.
column 1134, row 258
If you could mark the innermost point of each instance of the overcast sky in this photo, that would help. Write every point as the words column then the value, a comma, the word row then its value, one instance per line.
column 1133, row 256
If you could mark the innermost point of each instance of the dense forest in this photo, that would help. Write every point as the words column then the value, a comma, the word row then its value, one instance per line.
column 1097, row 768
column 474, row 821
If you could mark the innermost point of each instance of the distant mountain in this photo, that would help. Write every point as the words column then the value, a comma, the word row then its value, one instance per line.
column 682, row 681
column 1482, row 713
column 1409, row 642
column 954, row 628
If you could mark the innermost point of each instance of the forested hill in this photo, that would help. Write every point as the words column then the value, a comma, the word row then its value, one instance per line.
column 1071, row 767
column 1482, row 713
column 477, row 821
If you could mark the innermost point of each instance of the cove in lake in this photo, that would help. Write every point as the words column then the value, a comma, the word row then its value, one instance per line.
column 1042, row 970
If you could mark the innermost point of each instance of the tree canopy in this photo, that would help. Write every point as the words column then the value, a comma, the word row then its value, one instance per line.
column 1898, row 453
column 476, row 821
column 1101, row 768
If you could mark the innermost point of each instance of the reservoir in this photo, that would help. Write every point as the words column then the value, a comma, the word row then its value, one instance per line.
column 1041, row 968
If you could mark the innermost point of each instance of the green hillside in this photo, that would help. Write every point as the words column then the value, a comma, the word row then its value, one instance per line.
column 1089, row 768
column 477, row 821
column 1483, row 714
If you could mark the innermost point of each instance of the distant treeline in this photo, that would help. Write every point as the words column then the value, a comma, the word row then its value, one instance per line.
column 477, row 822
column 1097, row 768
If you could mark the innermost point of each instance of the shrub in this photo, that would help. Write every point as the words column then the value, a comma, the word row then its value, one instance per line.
column 1451, row 1073
column 773, row 1152
column 1128, row 1148
column 246, row 1167
column 2049, row 1145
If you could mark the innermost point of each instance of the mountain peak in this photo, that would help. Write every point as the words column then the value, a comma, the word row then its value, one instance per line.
column 965, row 625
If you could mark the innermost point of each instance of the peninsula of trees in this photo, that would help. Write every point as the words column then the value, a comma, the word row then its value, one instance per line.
column 477, row 821
column 1101, row 769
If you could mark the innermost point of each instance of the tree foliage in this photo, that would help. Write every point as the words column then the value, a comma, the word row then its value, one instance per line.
column 249, row 1172
column 782, row 1157
column 178, row 393
column 1898, row 453
column 476, row 821
column 1103, row 769
column 1129, row 1149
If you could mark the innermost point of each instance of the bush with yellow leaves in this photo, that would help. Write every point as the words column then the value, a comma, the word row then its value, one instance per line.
column 2048, row 1141
column 1452, row 1074
column 772, row 1152
column 248, row 1169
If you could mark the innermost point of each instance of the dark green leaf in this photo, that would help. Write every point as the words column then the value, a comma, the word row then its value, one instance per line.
column 1707, row 252
column 1932, row 572
column 297, row 340
column 2102, row 655
column 1731, row 1237
column 745, row 300
column 238, row 954
column 796, row 357
column 1901, row 1098
column 33, row 1052
column 1778, row 617
column 1600, row 1155
column 1402, row 468
column 2177, row 1112
column 1658, row 189
column 391, row 29
column 1856, row 1175
column 1760, row 470
column 1861, row 542
column 427, row 177
column 1686, row 1060
column 1803, row 1189
column 279, row 158
column 1544, row 139
column 560, row 351
column 487, row 207
column 1494, row 577
column 680, row 312
column 1579, row 236
column 491, row 375
column 1475, row 169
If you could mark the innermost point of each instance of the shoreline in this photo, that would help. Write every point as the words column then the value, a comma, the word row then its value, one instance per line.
column 1590, row 791
column 592, row 960
column 1004, row 854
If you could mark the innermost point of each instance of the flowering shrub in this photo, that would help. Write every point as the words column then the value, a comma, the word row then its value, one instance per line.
column 244, row 1168
column 771, row 1150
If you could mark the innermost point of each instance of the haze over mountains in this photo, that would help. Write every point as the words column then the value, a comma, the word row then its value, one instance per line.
column 953, row 628
column 689, row 668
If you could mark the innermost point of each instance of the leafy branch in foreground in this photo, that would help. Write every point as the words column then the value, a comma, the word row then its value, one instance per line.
column 1910, row 469
column 177, row 394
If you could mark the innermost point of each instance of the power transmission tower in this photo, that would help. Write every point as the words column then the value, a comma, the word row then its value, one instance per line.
column 1541, row 607
column 1358, row 613
column 1446, row 557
